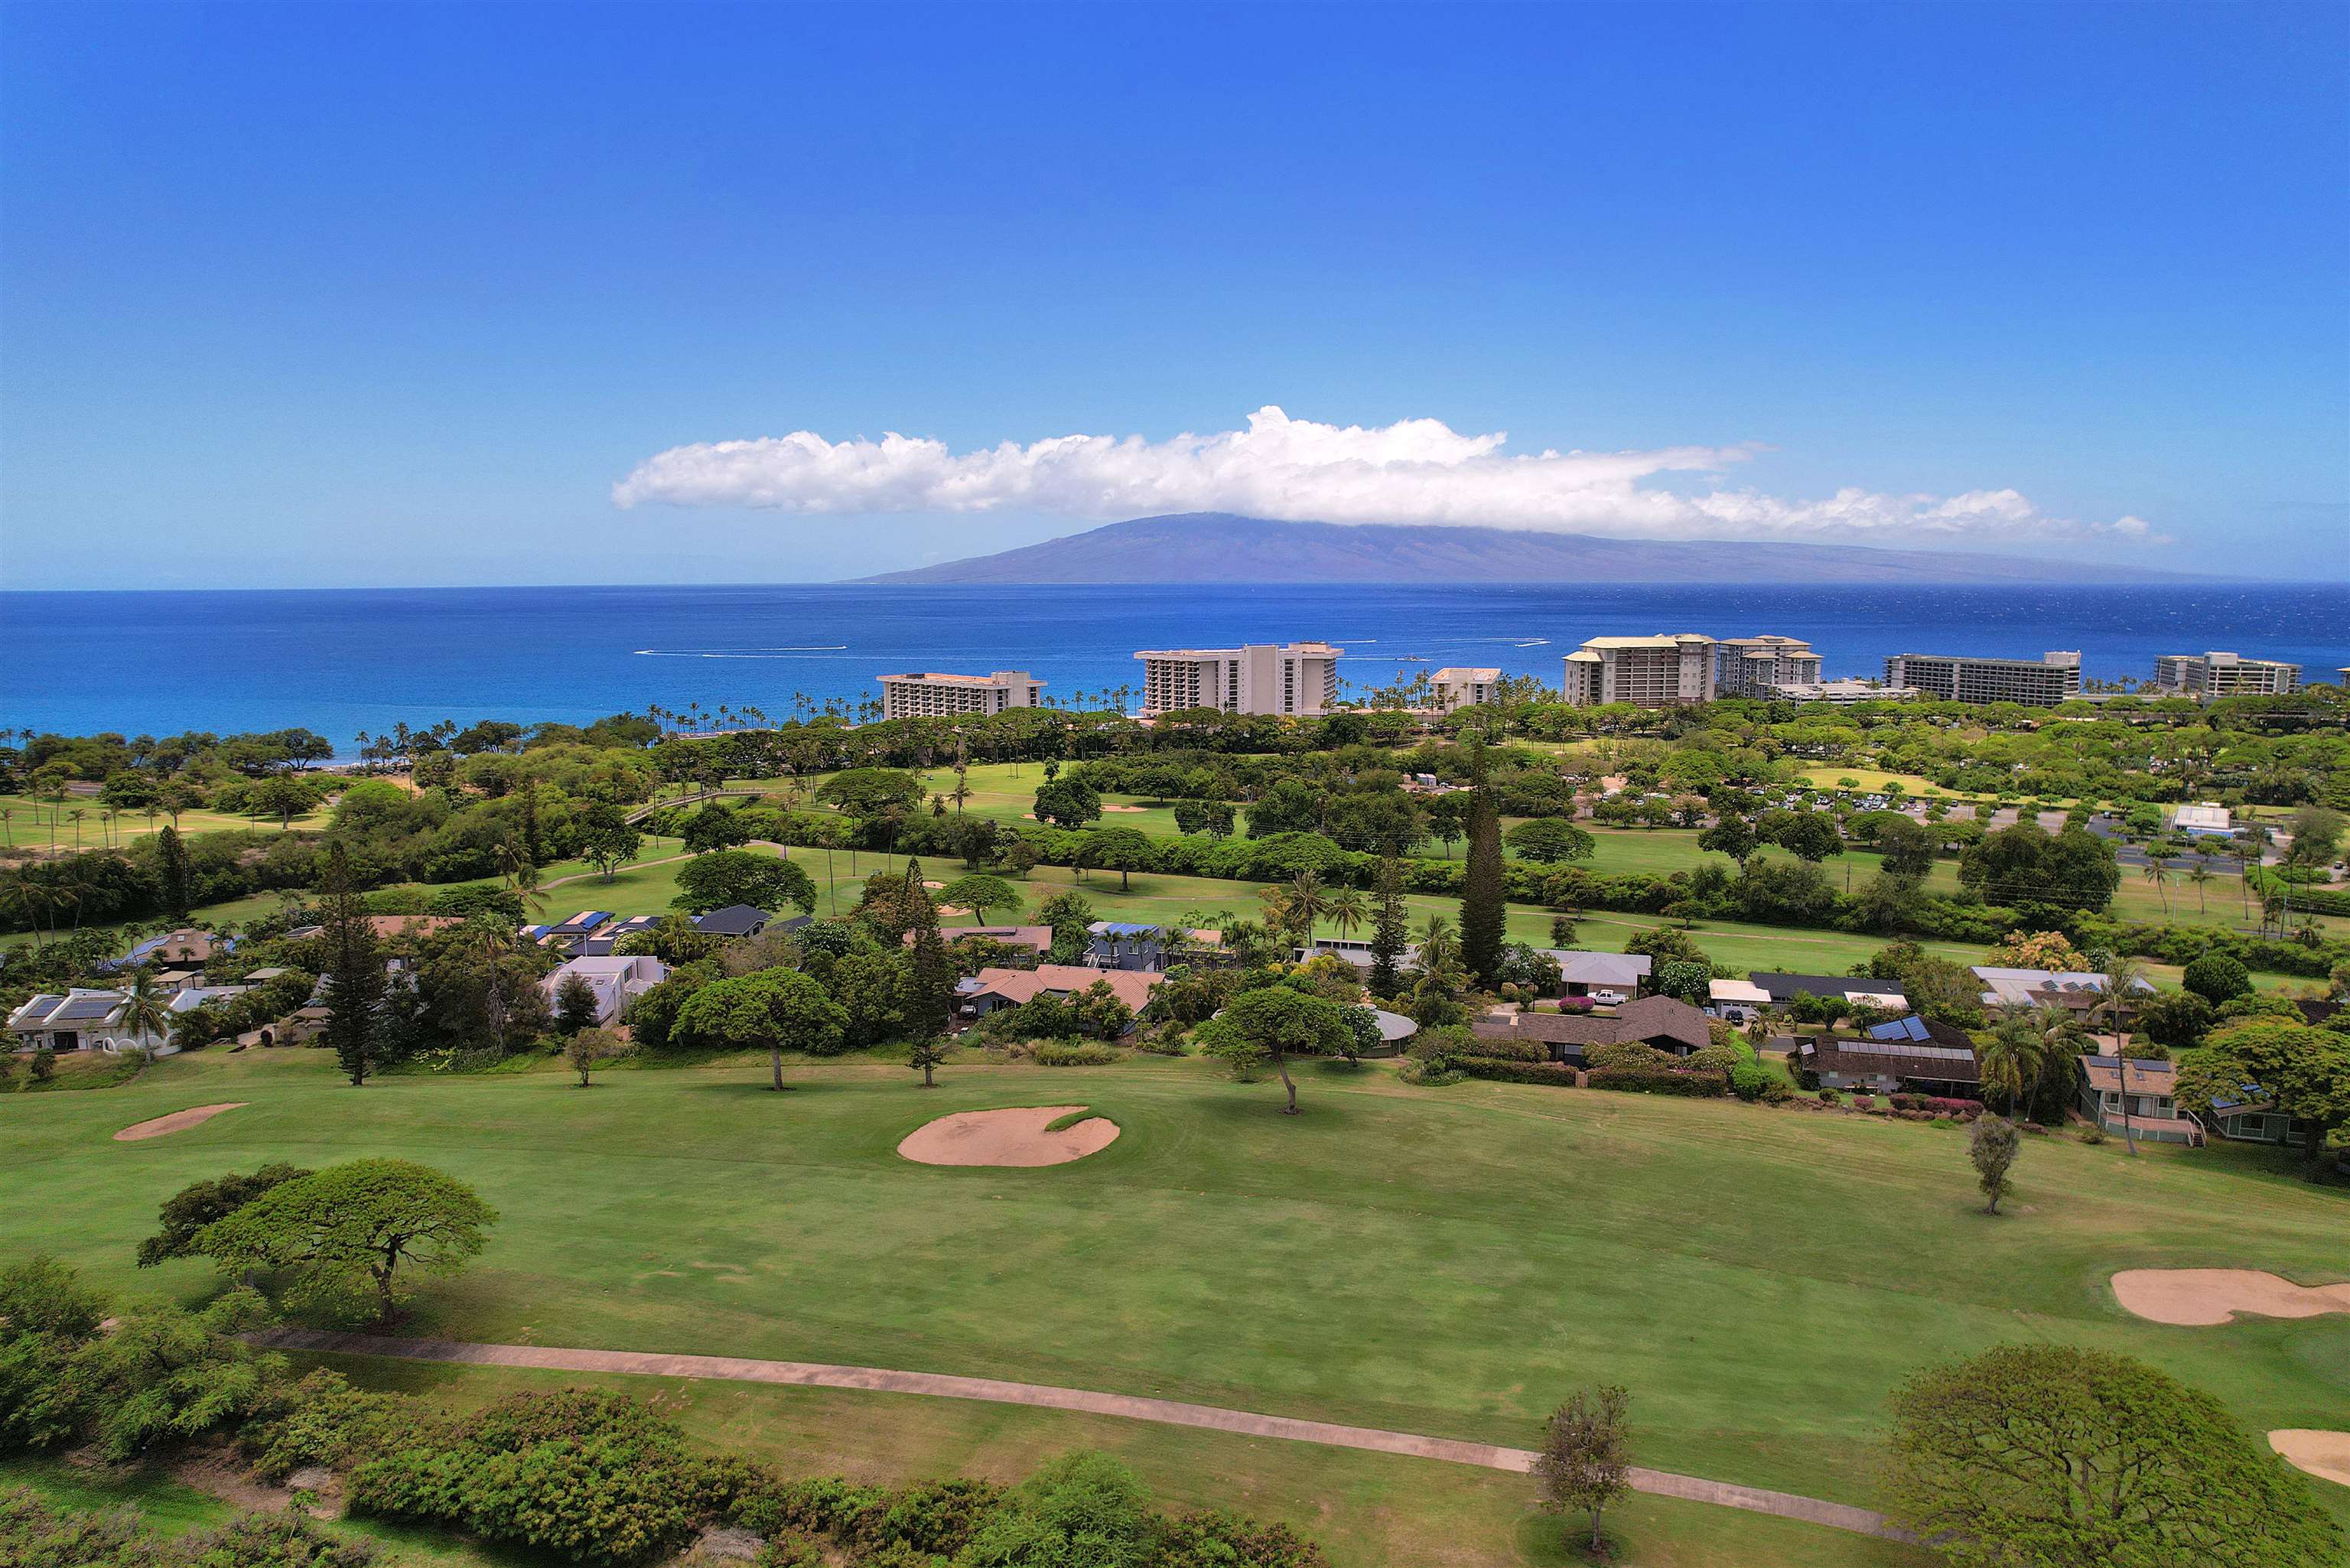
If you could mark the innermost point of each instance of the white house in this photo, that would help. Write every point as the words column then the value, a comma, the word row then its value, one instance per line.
column 83, row 1020
column 617, row 981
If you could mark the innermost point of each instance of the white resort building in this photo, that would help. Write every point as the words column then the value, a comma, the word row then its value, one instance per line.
column 1298, row 679
column 927, row 694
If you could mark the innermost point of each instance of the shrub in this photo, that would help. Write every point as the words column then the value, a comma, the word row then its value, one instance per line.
column 1750, row 1081
column 1510, row 1050
column 1084, row 1054
column 1830, row 1097
column 1655, row 1081
column 325, row 1421
column 593, row 1477
column 2216, row 978
column 1556, row 1073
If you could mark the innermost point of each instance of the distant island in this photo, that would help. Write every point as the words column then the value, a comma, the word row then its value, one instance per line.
column 1219, row 548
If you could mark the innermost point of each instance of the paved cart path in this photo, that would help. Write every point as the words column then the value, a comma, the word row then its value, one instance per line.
column 818, row 1374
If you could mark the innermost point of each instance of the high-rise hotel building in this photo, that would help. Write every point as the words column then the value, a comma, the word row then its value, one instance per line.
column 927, row 694
column 1297, row 679
column 2045, row 682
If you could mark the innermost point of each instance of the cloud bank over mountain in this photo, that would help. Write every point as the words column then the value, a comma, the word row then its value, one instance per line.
column 1412, row 472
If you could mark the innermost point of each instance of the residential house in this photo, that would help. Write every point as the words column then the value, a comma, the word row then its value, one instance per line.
column 737, row 920
column 92, row 1020
column 189, row 945
column 1739, row 1001
column 388, row 927
column 1904, row 1055
column 600, row 942
column 2154, row 1111
column 2250, row 1114
column 2070, row 990
column 1858, row 989
column 1607, row 978
column 617, row 981
column 1036, row 941
column 991, row 988
column 1131, row 945
column 1666, row 1022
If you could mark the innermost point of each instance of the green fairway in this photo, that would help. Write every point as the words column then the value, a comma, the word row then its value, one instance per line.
column 27, row 823
column 1445, row 1261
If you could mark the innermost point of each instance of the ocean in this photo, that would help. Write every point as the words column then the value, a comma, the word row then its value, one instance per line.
column 343, row 661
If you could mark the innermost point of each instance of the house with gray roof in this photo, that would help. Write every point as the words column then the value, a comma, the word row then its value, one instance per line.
column 1602, row 977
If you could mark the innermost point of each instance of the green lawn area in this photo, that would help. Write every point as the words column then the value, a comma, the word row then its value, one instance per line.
column 27, row 824
column 1450, row 1261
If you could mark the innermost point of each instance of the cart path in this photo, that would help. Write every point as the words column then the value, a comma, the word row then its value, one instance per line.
column 818, row 1374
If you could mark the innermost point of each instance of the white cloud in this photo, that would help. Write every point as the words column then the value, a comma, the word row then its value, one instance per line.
column 1411, row 472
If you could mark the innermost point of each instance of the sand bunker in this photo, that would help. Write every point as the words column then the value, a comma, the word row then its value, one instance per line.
column 178, row 1121
column 2325, row 1454
column 1008, row 1137
column 2201, row 1297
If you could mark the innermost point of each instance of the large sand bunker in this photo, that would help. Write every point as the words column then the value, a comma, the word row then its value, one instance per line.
column 178, row 1121
column 2325, row 1454
column 2202, row 1297
column 1008, row 1137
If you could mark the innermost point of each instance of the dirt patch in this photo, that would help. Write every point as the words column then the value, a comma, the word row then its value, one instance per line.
column 2203, row 1297
column 2323, row 1454
column 1008, row 1137
column 1109, row 806
column 178, row 1121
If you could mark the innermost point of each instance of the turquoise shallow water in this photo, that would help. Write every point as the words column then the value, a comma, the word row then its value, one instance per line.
column 344, row 660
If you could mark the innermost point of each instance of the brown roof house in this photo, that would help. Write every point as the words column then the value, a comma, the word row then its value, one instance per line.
column 990, row 989
column 1666, row 1022
column 1907, row 1056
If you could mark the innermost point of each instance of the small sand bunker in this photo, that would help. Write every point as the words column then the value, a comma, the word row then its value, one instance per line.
column 178, row 1121
column 2323, row 1454
column 2202, row 1297
column 1008, row 1137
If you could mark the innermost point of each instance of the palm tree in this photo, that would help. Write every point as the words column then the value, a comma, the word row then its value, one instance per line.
column 1345, row 911
column 147, row 1008
column 2010, row 1060
column 2124, row 977
column 1309, row 902
column 76, row 813
column 2158, row 872
column 1437, row 944
column 2199, row 874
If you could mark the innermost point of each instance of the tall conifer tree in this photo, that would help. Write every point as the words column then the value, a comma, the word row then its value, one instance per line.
column 1481, row 911
column 354, row 969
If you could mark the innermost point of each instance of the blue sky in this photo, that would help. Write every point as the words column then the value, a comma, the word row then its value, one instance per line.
column 342, row 294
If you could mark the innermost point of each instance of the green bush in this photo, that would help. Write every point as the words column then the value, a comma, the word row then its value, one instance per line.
column 1557, row 1075
column 592, row 1478
column 1083, row 1053
column 1651, row 1081
column 1509, row 1050
column 2216, row 978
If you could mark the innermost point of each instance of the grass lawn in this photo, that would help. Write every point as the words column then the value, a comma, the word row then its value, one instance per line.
column 1448, row 1262
column 27, row 824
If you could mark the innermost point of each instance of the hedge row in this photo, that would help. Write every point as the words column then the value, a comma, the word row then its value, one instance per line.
column 1557, row 1075
column 1695, row 1084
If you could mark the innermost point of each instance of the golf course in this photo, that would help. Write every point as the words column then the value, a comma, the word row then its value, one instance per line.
column 1442, row 1262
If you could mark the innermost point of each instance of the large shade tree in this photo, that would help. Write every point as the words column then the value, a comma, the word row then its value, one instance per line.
column 2305, row 1071
column 1277, row 1023
column 2049, row 1456
column 363, row 1225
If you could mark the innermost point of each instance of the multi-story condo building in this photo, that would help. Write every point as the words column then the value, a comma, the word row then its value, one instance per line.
column 1299, row 679
column 1841, row 693
column 2215, row 675
column 1751, row 666
column 1646, row 671
column 1460, row 686
column 927, row 694
column 2044, row 682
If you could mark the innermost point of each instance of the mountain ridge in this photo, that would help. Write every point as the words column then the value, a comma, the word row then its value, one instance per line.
column 1220, row 546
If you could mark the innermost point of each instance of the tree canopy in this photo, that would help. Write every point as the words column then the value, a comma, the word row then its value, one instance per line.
column 357, row 1225
column 2049, row 1456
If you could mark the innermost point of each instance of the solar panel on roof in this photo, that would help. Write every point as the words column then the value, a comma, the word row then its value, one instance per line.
column 85, row 1007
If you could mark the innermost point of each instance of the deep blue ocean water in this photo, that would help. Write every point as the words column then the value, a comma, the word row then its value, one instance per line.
column 342, row 661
